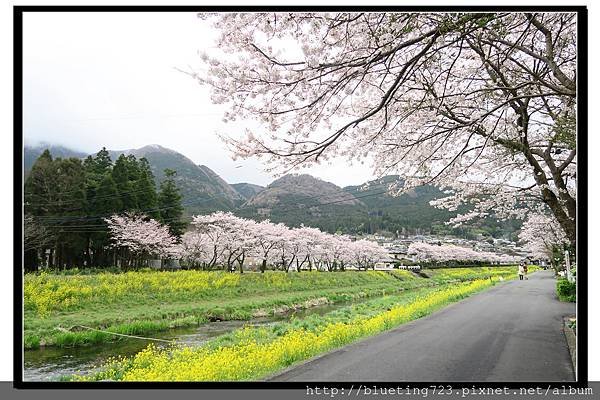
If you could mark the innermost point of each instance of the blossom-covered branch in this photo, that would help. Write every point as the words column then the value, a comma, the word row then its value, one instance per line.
column 141, row 237
column 482, row 105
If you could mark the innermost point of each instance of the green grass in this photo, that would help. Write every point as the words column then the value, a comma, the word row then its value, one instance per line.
column 155, row 317
column 259, row 351
column 142, row 303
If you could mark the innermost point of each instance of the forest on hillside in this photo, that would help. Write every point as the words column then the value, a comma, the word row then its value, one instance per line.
column 66, row 201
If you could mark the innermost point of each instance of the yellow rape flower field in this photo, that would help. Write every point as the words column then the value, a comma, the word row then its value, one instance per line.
column 88, row 308
column 143, row 302
column 253, row 355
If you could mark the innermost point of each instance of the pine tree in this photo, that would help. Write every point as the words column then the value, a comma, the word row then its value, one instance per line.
column 133, row 169
column 125, row 188
column 41, row 186
column 146, row 190
column 102, row 161
column 96, row 169
column 169, row 202
column 105, row 203
column 107, row 199
column 103, row 200
column 40, row 192
column 71, row 204
column 55, row 201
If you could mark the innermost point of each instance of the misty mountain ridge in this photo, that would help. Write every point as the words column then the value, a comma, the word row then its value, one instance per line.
column 301, row 186
column 32, row 152
column 247, row 190
column 202, row 189
column 297, row 199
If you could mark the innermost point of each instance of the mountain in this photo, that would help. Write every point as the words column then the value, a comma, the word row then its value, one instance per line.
column 367, row 208
column 203, row 190
column 31, row 153
column 411, row 212
column 247, row 190
column 310, row 190
column 303, row 199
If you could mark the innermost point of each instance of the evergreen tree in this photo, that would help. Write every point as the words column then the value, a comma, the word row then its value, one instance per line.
column 146, row 190
column 40, row 191
column 169, row 202
column 96, row 169
column 66, row 201
column 105, row 203
column 103, row 200
column 133, row 169
column 125, row 188
column 55, row 201
column 102, row 161
column 71, row 205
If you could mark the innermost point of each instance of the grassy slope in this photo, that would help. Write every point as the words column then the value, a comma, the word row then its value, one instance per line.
column 144, row 302
column 251, row 353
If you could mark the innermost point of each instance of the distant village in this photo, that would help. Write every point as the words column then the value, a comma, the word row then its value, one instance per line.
column 397, row 248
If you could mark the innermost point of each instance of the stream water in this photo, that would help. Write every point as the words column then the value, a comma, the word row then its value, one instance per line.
column 50, row 363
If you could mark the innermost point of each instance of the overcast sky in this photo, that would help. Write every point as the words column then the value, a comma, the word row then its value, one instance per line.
column 110, row 79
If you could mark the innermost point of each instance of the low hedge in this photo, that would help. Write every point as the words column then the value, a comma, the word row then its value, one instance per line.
column 566, row 290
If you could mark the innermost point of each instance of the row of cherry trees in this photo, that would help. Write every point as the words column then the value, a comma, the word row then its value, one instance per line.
column 431, row 253
column 222, row 240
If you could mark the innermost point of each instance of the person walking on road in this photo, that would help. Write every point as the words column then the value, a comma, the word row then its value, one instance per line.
column 525, row 271
column 521, row 270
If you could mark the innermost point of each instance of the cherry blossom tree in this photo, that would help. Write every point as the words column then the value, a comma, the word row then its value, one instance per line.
column 366, row 253
column 268, row 237
column 298, row 244
column 482, row 105
column 543, row 237
column 140, row 237
column 208, row 232
column 293, row 248
column 223, row 239
column 197, row 248
column 336, row 251
column 311, row 246
column 432, row 253
column 231, row 237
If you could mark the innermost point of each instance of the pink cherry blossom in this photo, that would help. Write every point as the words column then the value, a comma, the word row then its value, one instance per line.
column 481, row 105
column 142, row 236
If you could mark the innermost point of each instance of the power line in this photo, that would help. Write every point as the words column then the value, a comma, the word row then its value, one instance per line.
column 93, row 226
column 95, row 217
column 122, row 193
column 337, row 198
column 346, row 197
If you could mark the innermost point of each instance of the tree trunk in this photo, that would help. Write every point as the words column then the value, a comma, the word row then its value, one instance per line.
column 241, row 262
column 566, row 218
column 229, row 269
column 88, row 256
column 263, row 266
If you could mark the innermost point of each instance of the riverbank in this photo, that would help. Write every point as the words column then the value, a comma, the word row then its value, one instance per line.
column 60, row 309
column 252, row 353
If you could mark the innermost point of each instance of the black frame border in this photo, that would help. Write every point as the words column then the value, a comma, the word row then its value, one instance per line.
column 582, row 182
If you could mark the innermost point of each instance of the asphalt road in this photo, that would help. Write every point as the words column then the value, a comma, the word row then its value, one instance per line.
column 509, row 333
